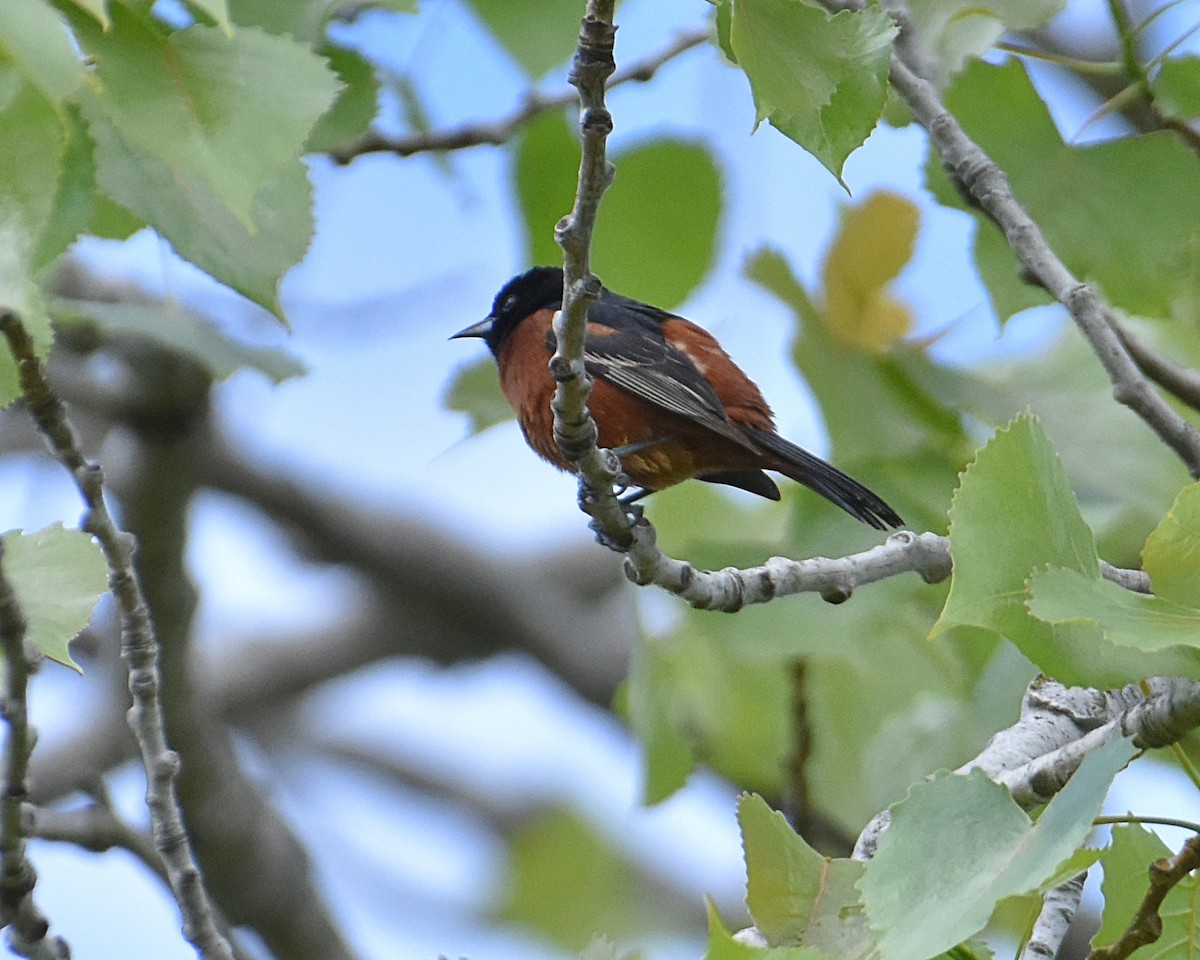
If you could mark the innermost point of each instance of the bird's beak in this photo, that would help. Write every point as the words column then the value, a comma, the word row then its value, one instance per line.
column 480, row 329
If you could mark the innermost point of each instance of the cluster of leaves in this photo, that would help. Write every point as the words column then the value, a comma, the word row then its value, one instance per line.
column 213, row 161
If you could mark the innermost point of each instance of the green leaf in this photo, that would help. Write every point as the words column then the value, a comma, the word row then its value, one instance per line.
column 1177, row 88
column 57, row 575
column 722, row 945
column 692, row 698
column 178, row 329
column 475, row 391
column 1013, row 513
column 32, row 145
column 98, row 9
column 959, row 844
column 20, row 294
column 1172, row 552
column 568, row 882
column 893, row 418
column 220, row 138
column 796, row 896
column 656, row 236
column 538, row 34
column 1072, row 397
column 547, row 172
column 73, row 208
column 199, row 226
column 820, row 80
column 948, row 32
column 227, row 187
column 1162, row 638
column 1126, row 865
column 1139, row 245
column 356, row 105
column 305, row 19
column 34, row 38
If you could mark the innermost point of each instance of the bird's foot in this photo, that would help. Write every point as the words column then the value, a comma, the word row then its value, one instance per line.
column 634, row 513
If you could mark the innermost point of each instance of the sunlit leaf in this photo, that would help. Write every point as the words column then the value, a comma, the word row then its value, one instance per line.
column 57, row 575
column 796, row 896
column 872, row 246
column 35, row 40
column 820, row 80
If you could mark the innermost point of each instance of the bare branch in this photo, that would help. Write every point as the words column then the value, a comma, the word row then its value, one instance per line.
column 139, row 648
column 574, row 429
column 500, row 131
column 28, row 928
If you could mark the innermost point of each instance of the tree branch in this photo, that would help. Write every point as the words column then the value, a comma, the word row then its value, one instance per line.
column 574, row 429
column 28, row 929
column 1054, row 920
column 500, row 131
column 988, row 187
column 1146, row 925
column 139, row 649
column 1059, row 726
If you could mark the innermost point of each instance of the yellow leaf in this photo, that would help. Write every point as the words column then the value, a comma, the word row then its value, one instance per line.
column 872, row 247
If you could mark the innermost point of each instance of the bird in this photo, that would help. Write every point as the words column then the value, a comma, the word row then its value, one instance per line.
column 666, row 398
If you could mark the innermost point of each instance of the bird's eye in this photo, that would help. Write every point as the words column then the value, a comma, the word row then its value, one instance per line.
column 509, row 302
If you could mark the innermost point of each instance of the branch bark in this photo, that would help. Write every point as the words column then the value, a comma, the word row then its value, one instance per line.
column 988, row 187
column 534, row 104
column 139, row 649
column 28, row 929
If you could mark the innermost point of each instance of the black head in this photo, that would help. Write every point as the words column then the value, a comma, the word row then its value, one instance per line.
column 536, row 289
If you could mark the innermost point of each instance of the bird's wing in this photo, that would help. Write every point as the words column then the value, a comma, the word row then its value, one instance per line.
column 626, row 348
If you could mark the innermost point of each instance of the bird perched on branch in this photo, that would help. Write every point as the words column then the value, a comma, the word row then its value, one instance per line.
column 666, row 398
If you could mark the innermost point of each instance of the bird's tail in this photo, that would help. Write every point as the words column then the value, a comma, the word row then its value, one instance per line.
column 825, row 479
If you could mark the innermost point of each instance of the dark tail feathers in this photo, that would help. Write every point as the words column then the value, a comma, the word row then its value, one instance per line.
column 825, row 479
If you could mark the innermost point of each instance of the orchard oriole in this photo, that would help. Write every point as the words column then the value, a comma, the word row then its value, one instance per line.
column 666, row 397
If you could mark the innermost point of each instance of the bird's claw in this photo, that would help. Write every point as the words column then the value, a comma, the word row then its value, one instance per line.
column 634, row 513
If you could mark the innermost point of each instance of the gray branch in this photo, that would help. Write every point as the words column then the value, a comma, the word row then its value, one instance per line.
column 28, row 929
column 1059, row 726
column 139, row 649
column 1054, row 920
column 497, row 132
column 988, row 187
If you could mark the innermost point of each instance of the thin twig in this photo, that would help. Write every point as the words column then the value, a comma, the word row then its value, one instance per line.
column 1146, row 925
column 574, row 428
column 139, row 648
column 1180, row 382
column 500, row 131
column 28, row 928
